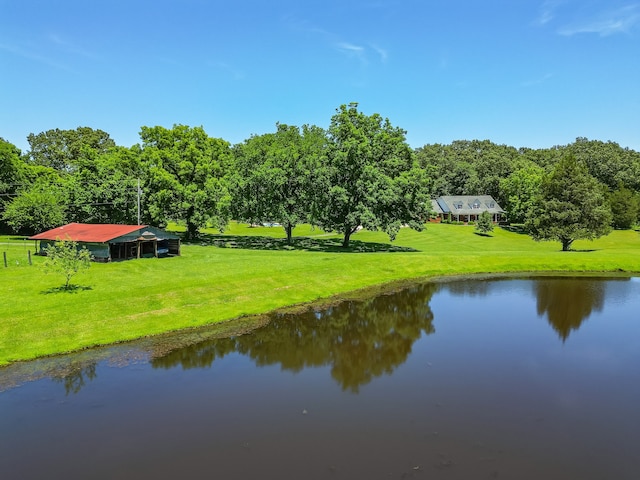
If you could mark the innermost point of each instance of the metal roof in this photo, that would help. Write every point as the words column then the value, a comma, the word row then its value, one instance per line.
column 88, row 232
column 468, row 204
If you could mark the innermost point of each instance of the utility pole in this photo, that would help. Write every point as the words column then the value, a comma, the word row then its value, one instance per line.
column 139, row 201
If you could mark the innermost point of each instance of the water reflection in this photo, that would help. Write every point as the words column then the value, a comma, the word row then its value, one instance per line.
column 568, row 302
column 470, row 288
column 77, row 378
column 360, row 340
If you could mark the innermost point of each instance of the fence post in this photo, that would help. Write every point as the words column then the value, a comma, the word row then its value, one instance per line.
column 29, row 255
column 4, row 254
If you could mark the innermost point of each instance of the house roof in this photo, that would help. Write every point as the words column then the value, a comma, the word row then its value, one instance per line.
column 468, row 204
column 88, row 232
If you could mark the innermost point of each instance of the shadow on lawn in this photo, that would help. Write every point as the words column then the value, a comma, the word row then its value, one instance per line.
column 70, row 289
column 333, row 245
column 515, row 228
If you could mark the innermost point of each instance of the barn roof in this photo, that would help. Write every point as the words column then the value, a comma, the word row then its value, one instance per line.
column 88, row 232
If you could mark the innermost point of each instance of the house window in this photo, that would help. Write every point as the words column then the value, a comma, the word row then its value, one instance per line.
column 476, row 204
column 458, row 205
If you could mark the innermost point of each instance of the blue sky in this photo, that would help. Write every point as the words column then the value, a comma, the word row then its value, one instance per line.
column 526, row 73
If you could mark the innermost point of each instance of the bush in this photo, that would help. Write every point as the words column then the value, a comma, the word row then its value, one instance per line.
column 485, row 223
column 64, row 257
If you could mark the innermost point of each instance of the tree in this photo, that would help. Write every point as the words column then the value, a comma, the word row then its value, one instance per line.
column 10, row 172
column 275, row 176
column 625, row 206
column 39, row 208
column 450, row 172
column 187, row 177
column 520, row 191
column 489, row 163
column 608, row 162
column 484, row 224
column 10, row 164
column 64, row 149
column 104, row 188
column 64, row 257
column 572, row 206
column 370, row 178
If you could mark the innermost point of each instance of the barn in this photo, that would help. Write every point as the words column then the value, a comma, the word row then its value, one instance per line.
column 108, row 242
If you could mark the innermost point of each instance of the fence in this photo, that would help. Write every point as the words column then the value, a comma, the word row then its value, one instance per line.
column 16, row 258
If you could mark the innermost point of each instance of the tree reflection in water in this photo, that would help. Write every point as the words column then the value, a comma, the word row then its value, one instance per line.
column 360, row 340
column 470, row 288
column 76, row 378
column 567, row 302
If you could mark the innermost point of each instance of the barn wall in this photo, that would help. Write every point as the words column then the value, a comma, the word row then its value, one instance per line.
column 100, row 251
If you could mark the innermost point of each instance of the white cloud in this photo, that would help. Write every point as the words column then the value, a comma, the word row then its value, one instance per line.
column 30, row 55
column 621, row 20
column 384, row 54
column 548, row 11
column 336, row 41
column 70, row 47
column 350, row 48
column 353, row 51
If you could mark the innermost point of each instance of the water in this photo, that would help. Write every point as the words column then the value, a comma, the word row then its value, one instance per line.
column 519, row 378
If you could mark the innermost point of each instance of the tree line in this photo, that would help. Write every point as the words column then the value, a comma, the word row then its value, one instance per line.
column 358, row 172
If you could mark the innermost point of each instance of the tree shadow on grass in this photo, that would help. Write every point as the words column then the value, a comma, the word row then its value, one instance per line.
column 332, row 245
column 481, row 234
column 515, row 228
column 70, row 289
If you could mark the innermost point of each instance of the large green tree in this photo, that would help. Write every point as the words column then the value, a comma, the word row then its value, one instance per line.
column 37, row 208
column 521, row 190
column 449, row 173
column 608, row 162
column 468, row 167
column 10, row 165
column 274, row 178
column 186, row 177
column 64, row 149
column 625, row 206
column 104, row 188
column 572, row 206
column 11, row 173
column 370, row 178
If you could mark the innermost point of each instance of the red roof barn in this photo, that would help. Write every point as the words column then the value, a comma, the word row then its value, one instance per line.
column 108, row 242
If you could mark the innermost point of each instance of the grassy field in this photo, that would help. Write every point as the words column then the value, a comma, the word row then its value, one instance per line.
column 252, row 271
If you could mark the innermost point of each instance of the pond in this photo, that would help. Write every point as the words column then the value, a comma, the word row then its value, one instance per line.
column 524, row 378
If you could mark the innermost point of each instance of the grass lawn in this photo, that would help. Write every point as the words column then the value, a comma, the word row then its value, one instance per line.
column 251, row 271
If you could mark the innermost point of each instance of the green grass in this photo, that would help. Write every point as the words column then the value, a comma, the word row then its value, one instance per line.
column 252, row 271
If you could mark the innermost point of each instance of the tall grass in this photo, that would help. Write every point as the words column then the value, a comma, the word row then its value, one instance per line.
column 251, row 271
